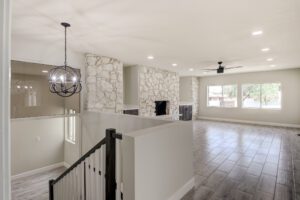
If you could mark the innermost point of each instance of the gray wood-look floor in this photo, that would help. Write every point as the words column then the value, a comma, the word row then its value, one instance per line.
column 231, row 161
column 245, row 162
column 34, row 187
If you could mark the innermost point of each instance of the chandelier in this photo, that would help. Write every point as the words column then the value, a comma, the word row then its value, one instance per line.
column 65, row 80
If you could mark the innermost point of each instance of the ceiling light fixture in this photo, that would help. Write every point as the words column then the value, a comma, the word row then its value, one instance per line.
column 174, row 65
column 65, row 80
column 270, row 59
column 258, row 32
column 272, row 65
column 45, row 71
column 265, row 49
column 191, row 69
column 150, row 57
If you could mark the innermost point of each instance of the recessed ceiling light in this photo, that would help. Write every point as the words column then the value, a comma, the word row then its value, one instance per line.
column 150, row 57
column 174, row 64
column 191, row 69
column 26, row 87
column 18, row 86
column 265, row 49
column 45, row 71
column 258, row 32
column 272, row 65
column 270, row 59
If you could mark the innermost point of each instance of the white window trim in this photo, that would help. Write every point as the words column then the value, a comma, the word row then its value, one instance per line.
column 237, row 96
column 260, row 97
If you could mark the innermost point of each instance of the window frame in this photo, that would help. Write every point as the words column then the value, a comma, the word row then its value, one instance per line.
column 260, row 96
column 222, row 85
column 70, row 135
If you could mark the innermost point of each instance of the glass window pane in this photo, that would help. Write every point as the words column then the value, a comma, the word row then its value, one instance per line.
column 251, row 96
column 229, row 96
column 214, row 96
column 271, row 95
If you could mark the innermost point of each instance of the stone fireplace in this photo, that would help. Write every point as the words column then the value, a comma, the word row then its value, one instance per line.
column 162, row 108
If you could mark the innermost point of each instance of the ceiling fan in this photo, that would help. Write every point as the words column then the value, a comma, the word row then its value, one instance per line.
column 220, row 69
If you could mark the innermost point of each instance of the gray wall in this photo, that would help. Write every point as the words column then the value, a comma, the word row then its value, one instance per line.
column 289, row 114
column 185, row 89
column 131, row 85
column 36, row 143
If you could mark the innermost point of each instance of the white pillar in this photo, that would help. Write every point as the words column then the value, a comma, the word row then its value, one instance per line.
column 5, row 99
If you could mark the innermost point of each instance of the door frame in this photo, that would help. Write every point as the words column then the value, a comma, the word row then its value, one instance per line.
column 5, row 41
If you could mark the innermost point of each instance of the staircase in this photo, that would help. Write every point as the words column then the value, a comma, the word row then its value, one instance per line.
column 92, row 177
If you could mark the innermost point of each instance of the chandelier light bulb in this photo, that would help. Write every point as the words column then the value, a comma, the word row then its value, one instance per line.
column 74, row 79
column 53, row 78
column 62, row 78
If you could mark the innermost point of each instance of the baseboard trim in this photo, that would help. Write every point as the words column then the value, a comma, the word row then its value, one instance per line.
column 183, row 190
column 39, row 170
column 66, row 165
column 249, row 122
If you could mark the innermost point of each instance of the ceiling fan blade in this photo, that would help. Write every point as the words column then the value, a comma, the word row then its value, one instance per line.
column 209, row 69
column 234, row 67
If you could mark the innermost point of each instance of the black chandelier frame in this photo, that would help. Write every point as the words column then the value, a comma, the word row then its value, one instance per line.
column 65, row 80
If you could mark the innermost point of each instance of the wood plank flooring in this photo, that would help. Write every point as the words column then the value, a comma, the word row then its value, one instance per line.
column 34, row 187
column 245, row 162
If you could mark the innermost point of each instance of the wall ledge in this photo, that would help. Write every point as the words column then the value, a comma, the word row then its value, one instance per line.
column 249, row 122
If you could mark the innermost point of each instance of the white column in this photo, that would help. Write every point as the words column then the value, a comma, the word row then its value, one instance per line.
column 5, row 99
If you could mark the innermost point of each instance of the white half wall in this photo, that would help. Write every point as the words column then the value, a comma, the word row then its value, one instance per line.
column 36, row 143
column 158, row 162
column 289, row 115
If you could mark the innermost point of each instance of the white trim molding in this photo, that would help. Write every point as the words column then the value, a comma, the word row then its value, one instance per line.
column 5, row 36
column 183, row 190
column 249, row 122
column 37, row 171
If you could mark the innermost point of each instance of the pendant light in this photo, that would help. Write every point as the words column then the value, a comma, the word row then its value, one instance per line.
column 65, row 80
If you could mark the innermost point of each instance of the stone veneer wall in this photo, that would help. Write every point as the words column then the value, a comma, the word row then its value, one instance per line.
column 104, row 84
column 157, row 85
column 195, row 94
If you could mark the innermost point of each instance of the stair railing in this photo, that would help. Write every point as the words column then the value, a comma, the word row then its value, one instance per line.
column 84, row 180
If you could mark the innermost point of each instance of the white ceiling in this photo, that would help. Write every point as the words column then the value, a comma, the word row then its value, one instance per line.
column 192, row 33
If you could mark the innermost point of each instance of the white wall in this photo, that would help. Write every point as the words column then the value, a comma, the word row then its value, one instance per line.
column 94, row 125
column 36, row 143
column 158, row 162
column 185, row 89
column 131, row 85
column 289, row 114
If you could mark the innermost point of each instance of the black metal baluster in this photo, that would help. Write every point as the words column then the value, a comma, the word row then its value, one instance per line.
column 110, row 174
column 84, row 182
column 51, row 191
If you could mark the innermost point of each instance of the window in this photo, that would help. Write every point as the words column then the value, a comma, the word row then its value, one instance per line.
column 271, row 95
column 71, row 126
column 251, row 96
column 267, row 96
column 222, row 96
